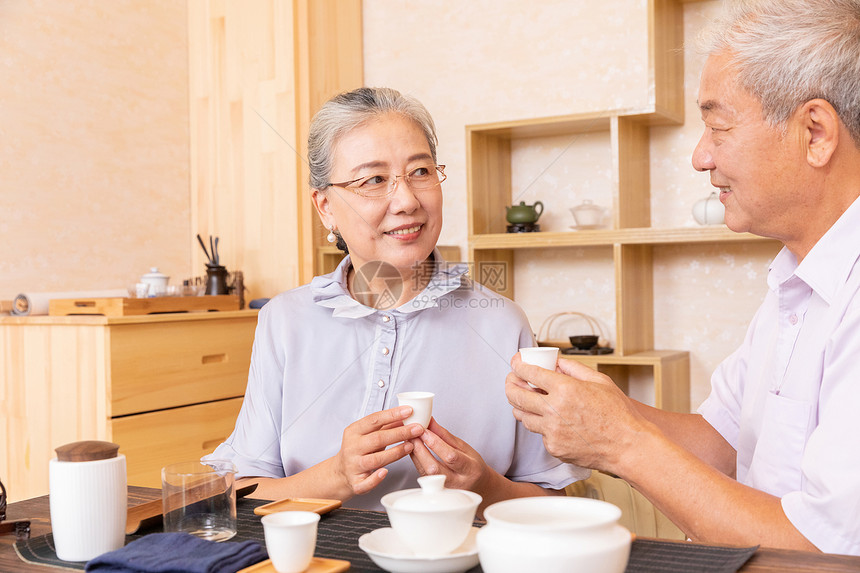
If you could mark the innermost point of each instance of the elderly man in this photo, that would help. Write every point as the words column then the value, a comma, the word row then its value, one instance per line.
column 771, row 457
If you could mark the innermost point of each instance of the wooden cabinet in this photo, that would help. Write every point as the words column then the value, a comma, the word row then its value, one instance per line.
column 629, row 237
column 164, row 387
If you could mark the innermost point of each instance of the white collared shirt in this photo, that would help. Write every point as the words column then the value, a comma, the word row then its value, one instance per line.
column 322, row 360
column 788, row 400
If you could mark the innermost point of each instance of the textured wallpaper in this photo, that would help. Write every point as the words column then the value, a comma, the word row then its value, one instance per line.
column 93, row 144
column 486, row 61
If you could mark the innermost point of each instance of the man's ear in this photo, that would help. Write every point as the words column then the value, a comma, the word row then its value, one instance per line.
column 821, row 124
column 323, row 207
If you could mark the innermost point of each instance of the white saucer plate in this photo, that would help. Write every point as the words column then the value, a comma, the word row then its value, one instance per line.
column 390, row 553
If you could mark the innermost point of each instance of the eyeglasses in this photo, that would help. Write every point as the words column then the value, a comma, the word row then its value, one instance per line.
column 382, row 185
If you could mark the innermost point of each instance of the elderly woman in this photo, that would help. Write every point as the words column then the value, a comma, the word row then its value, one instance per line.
column 320, row 416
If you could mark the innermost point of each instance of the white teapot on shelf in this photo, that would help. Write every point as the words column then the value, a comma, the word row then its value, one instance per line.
column 588, row 215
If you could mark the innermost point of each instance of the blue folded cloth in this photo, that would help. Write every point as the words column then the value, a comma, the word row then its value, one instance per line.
column 178, row 553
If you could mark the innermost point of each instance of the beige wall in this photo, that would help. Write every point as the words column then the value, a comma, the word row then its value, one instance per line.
column 94, row 143
column 492, row 60
column 94, row 167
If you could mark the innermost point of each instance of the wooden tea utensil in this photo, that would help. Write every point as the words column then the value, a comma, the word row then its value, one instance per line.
column 317, row 565
column 149, row 514
column 20, row 527
column 319, row 506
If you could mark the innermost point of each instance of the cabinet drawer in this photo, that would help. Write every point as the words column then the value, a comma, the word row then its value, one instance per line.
column 160, row 365
column 153, row 440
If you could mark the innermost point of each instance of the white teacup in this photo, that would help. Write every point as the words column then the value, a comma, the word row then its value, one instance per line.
column 421, row 404
column 291, row 537
column 543, row 356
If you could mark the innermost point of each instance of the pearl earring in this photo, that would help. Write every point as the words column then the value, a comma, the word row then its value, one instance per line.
column 331, row 237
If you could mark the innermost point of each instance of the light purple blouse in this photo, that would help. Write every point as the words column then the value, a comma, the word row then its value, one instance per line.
column 321, row 360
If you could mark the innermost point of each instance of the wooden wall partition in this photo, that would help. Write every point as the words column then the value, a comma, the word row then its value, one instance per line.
column 257, row 73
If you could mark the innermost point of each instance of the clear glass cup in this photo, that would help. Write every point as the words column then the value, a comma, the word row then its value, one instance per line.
column 200, row 498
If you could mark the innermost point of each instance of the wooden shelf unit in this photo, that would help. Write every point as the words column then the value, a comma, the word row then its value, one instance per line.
column 630, row 235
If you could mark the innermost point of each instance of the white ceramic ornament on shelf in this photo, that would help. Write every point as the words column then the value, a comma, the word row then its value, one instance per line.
column 709, row 211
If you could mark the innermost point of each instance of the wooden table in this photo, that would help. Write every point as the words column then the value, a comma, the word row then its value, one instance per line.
column 765, row 560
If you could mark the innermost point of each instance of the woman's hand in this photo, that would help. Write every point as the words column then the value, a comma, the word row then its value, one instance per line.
column 463, row 467
column 365, row 451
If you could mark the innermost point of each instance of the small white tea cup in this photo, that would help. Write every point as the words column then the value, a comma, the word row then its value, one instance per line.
column 421, row 404
column 543, row 356
column 291, row 537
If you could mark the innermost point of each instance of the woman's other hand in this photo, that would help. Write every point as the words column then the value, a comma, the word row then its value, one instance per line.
column 368, row 445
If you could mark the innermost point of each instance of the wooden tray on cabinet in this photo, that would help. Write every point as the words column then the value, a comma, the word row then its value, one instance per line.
column 121, row 306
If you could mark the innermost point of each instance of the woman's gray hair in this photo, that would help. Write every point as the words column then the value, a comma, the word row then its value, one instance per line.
column 344, row 112
column 787, row 52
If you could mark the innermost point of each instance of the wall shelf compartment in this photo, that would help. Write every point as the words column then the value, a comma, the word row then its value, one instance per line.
column 630, row 235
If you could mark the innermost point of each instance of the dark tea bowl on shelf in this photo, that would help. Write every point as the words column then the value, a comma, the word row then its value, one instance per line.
column 583, row 341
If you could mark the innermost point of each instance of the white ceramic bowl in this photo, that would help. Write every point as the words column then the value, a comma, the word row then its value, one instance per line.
column 431, row 521
column 553, row 534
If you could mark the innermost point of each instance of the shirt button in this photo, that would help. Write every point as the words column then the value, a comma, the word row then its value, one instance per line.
column 380, row 383
column 385, row 351
column 792, row 319
column 386, row 318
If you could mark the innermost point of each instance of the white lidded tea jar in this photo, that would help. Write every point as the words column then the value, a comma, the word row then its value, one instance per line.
column 88, row 499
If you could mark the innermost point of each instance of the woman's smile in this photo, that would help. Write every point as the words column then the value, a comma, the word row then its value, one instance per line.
column 405, row 233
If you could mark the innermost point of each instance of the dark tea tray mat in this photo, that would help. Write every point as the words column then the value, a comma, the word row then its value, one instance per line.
column 340, row 529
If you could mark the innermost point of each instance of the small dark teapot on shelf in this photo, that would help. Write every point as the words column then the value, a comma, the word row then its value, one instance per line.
column 524, row 214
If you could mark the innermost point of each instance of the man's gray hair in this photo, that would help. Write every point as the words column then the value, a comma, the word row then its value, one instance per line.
column 346, row 111
column 787, row 52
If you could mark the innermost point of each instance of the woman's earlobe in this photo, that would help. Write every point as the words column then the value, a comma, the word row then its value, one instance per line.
column 321, row 203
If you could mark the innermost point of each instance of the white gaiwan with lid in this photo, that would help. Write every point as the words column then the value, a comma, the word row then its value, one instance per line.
column 433, row 520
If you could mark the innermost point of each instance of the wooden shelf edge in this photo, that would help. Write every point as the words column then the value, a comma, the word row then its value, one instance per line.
column 645, row 358
column 610, row 237
column 586, row 122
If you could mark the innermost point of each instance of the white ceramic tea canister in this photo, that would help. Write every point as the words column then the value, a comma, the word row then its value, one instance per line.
column 88, row 499
column 553, row 535
column 433, row 520
column 709, row 211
